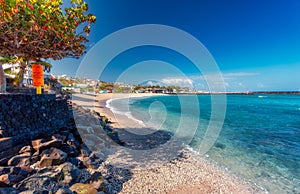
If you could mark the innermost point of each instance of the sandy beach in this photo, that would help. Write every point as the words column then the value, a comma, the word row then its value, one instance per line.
column 185, row 173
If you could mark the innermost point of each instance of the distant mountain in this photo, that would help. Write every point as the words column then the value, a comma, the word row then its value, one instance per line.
column 153, row 83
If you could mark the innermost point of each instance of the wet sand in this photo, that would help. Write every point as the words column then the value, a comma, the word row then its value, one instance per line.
column 185, row 173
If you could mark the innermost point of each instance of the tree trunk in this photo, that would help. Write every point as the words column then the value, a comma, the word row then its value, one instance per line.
column 2, row 80
column 23, row 67
column 21, row 75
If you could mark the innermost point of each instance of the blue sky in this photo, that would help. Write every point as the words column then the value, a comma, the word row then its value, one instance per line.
column 256, row 44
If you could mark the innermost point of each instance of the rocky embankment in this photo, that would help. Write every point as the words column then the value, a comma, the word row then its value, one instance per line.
column 85, row 156
column 61, row 162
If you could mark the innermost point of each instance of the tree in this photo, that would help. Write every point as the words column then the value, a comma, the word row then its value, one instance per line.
column 40, row 29
column 9, row 60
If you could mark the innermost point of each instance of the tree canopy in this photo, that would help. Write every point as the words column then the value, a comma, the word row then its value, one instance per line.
column 41, row 29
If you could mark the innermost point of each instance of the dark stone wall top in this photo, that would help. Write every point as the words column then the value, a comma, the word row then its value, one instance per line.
column 25, row 116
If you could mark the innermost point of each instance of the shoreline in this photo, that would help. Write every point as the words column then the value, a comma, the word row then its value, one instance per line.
column 186, row 174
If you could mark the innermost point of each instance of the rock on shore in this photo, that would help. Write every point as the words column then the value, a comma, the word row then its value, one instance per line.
column 61, row 163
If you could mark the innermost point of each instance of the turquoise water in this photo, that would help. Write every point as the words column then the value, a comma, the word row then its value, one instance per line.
column 259, row 140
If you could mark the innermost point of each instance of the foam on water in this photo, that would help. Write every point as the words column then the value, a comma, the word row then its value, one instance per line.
column 260, row 139
column 115, row 110
column 262, row 96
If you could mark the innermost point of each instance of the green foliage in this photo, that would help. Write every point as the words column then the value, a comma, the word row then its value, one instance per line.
column 9, row 59
column 61, row 177
column 43, row 63
column 37, row 29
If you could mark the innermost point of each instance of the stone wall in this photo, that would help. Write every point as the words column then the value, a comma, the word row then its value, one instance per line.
column 24, row 117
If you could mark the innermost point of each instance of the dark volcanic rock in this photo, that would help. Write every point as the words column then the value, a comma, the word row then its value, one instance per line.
column 20, row 160
column 35, row 158
column 69, row 174
column 64, row 191
column 83, row 188
column 59, row 159
column 51, row 157
column 9, row 190
column 13, row 175
column 43, row 180
column 36, row 143
column 89, row 162
column 72, row 141
column 70, row 150
column 56, row 143
column 10, row 179
column 4, row 170
column 84, row 150
column 98, row 181
column 26, row 149
column 59, row 137
column 39, row 184
column 76, row 162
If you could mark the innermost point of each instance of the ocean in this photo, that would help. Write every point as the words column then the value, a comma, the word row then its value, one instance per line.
column 259, row 139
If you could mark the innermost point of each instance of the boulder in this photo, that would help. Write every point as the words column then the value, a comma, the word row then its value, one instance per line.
column 35, row 158
column 25, row 171
column 35, row 192
column 72, row 141
column 83, row 188
column 44, row 180
column 4, row 170
column 54, row 143
column 98, row 181
column 59, row 137
column 9, row 190
column 85, row 176
column 76, row 162
column 64, row 191
column 84, row 150
column 20, row 160
column 42, row 144
column 13, row 175
column 52, row 157
column 70, row 150
column 38, row 184
column 36, row 143
column 69, row 174
column 89, row 162
column 26, row 149
column 10, row 179
column 8, row 154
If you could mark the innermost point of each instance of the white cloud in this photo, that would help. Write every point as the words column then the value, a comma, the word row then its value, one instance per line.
column 151, row 83
column 231, row 81
column 178, row 81
column 240, row 74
